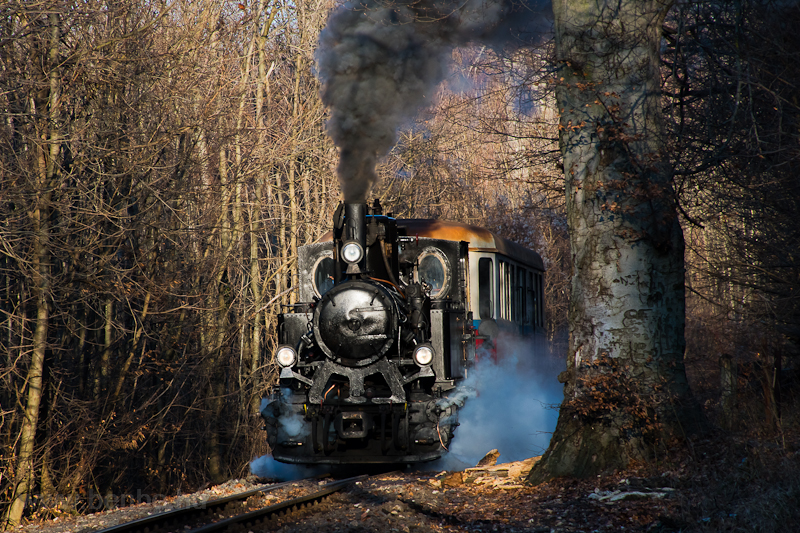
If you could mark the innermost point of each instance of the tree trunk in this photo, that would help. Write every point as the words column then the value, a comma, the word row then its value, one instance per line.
column 47, row 154
column 625, row 393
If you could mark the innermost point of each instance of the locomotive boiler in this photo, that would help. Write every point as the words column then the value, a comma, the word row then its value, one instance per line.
column 389, row 315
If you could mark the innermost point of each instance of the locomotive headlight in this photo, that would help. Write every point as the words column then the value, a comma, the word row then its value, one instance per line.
column 352, row 252
column 285, row 356
column 423, row 355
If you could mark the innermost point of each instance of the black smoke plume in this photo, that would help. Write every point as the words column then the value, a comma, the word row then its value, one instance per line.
column 379, row 61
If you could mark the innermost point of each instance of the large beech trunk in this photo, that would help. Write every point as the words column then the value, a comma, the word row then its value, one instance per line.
column 625, row 393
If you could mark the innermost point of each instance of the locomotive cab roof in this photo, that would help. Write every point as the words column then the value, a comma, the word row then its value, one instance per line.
column 479, row 239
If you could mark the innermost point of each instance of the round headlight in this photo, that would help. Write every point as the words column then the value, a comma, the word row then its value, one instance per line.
column 423, row 355
column 352, row 252
column 285, row 356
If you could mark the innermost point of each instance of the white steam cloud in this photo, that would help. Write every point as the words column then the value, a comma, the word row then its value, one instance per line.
column 511, row 405
column 293, row 426
column 268, row 468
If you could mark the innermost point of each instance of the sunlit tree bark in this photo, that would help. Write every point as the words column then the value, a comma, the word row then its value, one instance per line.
column 625, row 393
column 47, row 150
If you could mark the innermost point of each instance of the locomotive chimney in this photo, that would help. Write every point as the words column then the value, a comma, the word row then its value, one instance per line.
column 355, row 231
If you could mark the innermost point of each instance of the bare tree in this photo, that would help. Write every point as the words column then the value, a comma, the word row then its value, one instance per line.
column 154, row 159
column 731, row 96
column 46, row 138
column 625, row 393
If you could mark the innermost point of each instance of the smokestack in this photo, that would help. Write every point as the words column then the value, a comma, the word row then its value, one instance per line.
column 355, row 230
column 379, row 62
column 355, row 222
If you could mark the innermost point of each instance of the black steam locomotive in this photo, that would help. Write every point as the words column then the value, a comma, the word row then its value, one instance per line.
column 390, row 315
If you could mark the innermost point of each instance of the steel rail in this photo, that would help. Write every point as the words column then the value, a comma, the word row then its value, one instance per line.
column 272, row 510
column 203, row 506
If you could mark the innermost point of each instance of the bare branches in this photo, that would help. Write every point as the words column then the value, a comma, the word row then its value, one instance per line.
column 143, row 194
column 731, row 97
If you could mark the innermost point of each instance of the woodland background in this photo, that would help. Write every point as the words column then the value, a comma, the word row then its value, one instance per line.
column 161, row 161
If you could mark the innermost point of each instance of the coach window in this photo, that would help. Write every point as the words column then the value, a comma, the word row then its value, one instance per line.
column 506, row 290
column 323, row 275
column 520, row 295
column 529, row 301
column 514, row 295
column 485, row 293
column 433, row 271
column 502, row 289
column 522, row 317
column 502, row 292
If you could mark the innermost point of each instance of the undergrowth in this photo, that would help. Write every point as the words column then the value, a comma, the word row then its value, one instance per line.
column 745, row 477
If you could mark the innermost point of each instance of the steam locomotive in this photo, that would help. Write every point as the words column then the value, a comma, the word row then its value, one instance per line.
column 390, row 316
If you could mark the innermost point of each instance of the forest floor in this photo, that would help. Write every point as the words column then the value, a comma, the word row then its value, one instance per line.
column 724, row 483
column 746, row 479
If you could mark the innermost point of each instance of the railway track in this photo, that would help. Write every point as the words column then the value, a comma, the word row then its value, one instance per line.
column 227, row 513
